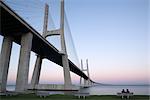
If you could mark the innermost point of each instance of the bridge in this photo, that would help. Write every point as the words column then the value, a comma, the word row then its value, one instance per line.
column 16, row 29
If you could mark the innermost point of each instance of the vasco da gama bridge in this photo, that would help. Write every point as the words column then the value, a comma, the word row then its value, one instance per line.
column 15, row 29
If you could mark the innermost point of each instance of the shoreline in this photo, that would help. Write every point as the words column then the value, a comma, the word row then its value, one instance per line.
column 71, row 97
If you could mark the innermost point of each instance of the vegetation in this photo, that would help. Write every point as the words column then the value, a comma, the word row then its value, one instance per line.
column 69, row 97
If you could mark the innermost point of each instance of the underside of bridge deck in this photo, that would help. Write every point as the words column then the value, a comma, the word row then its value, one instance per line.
column 13, row 25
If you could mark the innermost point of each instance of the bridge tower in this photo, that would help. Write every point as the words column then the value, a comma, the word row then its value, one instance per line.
column 86, row 82
column 63, row 52
column 38, row 63
column 65, row 62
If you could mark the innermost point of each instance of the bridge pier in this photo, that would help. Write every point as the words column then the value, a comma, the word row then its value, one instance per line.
column 65, row 62
column 26, row 45
column 66, row 70
column 36, row 72
column 38, row 63
column 86, row 82
column 4, row 62
column 23, row 66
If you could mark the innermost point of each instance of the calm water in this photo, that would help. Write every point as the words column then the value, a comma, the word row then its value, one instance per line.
column 107, row 90
column 112, row 90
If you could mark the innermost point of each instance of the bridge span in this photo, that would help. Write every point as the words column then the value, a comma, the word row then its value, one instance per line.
column 15, row 29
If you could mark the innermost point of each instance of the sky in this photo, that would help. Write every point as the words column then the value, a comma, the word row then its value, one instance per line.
column 112, row 34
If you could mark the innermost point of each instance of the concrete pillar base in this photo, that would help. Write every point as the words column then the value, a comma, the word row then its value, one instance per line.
column 66, row 69
column 36, row 72
column 23, row 67
column 4, row 62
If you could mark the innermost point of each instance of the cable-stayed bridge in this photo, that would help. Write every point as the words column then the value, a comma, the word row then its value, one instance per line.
column 15, row 29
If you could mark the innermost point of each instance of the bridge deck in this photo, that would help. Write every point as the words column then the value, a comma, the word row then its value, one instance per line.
column 13, row 25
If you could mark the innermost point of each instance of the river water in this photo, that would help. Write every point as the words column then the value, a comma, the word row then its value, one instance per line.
column 106, row 90
column 113, row 90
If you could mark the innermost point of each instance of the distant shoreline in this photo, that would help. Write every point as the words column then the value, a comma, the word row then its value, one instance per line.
column 125, row 85
column 102, row 84
column 106, row 85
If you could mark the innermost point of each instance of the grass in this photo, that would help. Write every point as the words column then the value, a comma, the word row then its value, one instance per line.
column 70, row 97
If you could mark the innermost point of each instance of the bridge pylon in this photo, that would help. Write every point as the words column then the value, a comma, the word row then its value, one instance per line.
column 84, row 82
column 63, row 52
column 38, row 63
column 65, row 62
column 28, row 38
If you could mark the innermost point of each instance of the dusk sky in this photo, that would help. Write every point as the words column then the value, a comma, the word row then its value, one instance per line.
column 112, row 34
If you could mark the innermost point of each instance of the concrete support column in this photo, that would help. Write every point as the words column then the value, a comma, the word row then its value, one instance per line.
column 81, row 70
column 23, row 67
column 88, row 82
column 80, row 80
column 85, row 82
column 4, row 62
column 66, row 70
column 37, row 71
column 38, row 63
column 65, row 62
